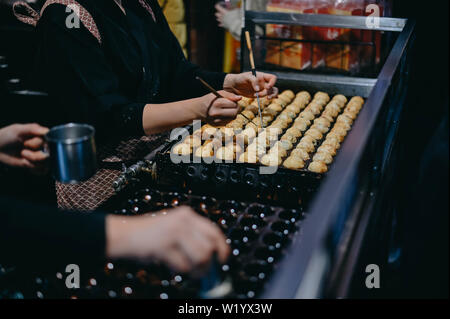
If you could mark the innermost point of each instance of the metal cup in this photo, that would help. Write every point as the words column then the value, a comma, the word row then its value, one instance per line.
column 73, row 156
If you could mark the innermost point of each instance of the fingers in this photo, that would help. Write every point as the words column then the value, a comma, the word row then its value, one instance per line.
column 33, row 156
column 273, row 93
column 16, row 161
column 32, row 130
column 230, row 96
column 220, row 9
column 269, row 80
column 215, row 236
column 35, row 143
column 178, row 261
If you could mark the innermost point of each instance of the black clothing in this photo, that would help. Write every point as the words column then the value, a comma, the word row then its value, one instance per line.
column 36, row 236
column 108, row 85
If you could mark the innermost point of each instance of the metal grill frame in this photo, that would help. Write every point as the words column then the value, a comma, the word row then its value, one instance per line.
column 324, row 261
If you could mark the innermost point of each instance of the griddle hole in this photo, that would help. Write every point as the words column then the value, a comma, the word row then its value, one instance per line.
column 191, row 171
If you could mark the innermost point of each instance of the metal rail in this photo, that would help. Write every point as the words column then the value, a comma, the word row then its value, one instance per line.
column 310, row 258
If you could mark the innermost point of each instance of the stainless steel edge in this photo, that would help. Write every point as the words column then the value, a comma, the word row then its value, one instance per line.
column 325, row 20
column 287, row 280
column 332, row 84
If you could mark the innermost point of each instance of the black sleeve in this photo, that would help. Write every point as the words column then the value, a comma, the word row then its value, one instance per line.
column 77, row 73
column 43, row 237
column 185, row 84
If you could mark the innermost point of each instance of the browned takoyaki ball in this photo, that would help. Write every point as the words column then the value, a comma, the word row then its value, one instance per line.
column 271, row 159
column 301, row 154
column 323, row 157
column 294, row 163
column 327, row 149
column 318, row 167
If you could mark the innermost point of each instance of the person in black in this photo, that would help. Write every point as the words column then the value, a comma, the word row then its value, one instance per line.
column 38, row 237
column 132, row 83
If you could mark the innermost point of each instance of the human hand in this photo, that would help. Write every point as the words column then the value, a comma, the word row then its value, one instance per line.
column 246, row 84
column 181, row 239
column 220, row 111
column 20, row 146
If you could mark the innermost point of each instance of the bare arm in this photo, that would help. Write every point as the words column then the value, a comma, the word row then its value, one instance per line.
column 162, row 117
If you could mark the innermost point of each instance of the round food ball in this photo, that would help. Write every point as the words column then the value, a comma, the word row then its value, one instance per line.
column 248, row 158
column 341, row 99
column 294, row 163
column 318, row 167
column 314, row 133
column 343, row 118
column 300, row 153
column 182, row 149
column 327, row 149
column 323, row 157
column 271, row 160
column 306, row 146
column 295, row 132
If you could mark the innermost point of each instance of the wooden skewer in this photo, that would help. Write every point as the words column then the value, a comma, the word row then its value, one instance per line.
column 252, row 64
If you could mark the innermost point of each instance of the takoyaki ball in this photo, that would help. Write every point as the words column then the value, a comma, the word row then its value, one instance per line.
column 351, row 115
column 307, row 115
column 279, row 149
column 328, row 117
column 327, row 149
column 321, row 128
column 318, row 167
column 289, row 94
column 322, row 121
column 329, row 114
column 208, row 130
column 293, row 108
column 314, row 133
column 353, row 108
column 193, row 141
column 281, row 124
column 357, row 99
column 248, row 114
column 294, row 163
column 339, row 137
column 282, row 101
column 252, row 108
column 271, row 160
column 249, row 132
column 301, row 154
column 339, row 131
column 305, row 95
column 334, row 106
column 343, row 118
column 182, row 149
column 333, row 141
column 301, row 125
column 269, row 111
column 225, row 154
column 322, row 95
column 248, row 157
column 274, row 130
column 331, row 111
column 285, row 118
column 341, row 99
column 258, row 148
column 305, row 145
column 323, row 157
column 275, row 108
column 287, row 137
column 345, row 126
column 253, row 126
column 295, row 132
column 227, row 133
column 286, row 144
column 315, row 108
column 289, row 113
column 198, row 133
